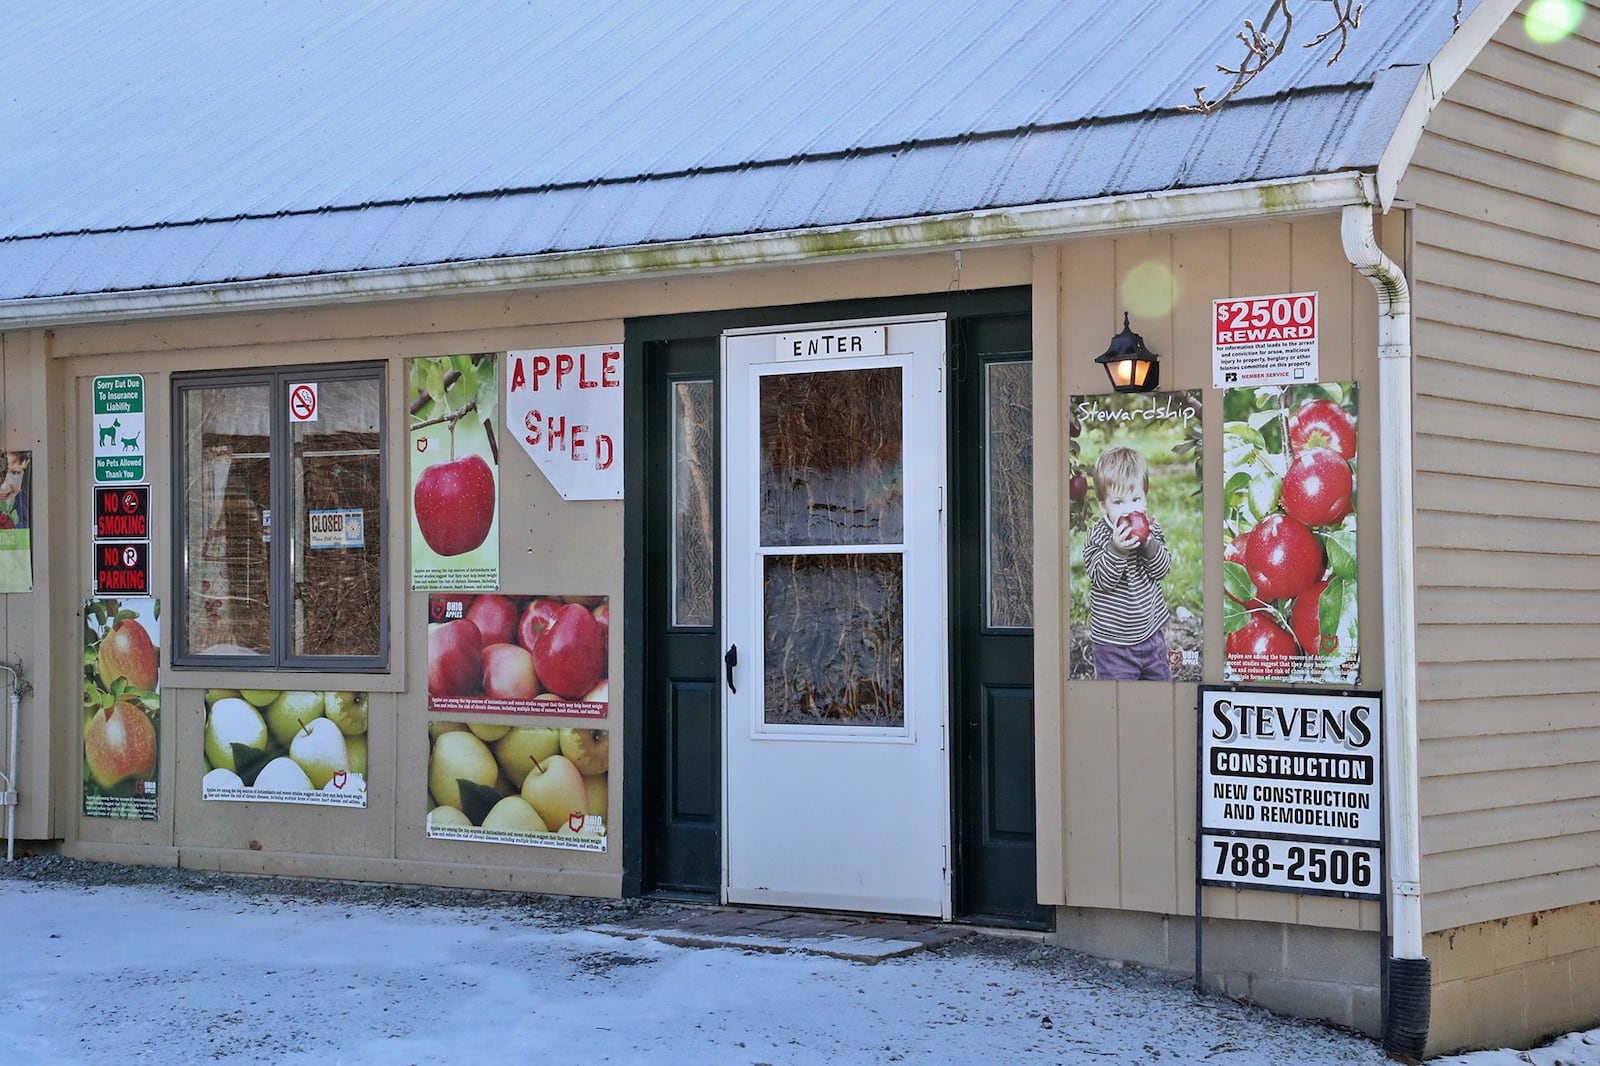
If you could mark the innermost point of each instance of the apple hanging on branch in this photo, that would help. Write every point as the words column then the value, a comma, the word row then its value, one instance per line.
column 454, row 500
column 121, row 701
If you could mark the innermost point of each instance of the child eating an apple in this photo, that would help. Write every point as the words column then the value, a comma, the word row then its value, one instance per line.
column 1125, row 557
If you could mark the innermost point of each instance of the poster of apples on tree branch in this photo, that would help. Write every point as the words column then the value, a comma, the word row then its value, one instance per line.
column 452, row 406
column 532, row 786
column 121, row 707
column 497, row 653
column 1289, row 534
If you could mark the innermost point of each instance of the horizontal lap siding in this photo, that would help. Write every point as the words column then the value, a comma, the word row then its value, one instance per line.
column 1506, row 278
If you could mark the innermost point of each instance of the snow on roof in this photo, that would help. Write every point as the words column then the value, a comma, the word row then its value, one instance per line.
column 156, row 143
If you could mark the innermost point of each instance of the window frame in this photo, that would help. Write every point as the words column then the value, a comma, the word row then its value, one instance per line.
column 287, row 534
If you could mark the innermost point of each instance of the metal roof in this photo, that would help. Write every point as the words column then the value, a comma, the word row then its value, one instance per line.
column 155, row 143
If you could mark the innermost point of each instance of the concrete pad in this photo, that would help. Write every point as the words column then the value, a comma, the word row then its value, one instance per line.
column 837, row 936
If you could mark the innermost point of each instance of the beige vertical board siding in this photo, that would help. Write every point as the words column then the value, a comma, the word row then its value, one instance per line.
column 385, row 841
column 1261, row 264
column 24, row 616
column 1138, row 741
column 1092, row 816
column 1146, row 754
column 1050, row 475
column 1506, row 280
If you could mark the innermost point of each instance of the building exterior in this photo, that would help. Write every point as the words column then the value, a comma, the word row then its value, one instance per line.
column 662, row 462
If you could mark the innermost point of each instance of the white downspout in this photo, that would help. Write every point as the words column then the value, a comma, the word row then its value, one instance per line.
column 1409, row 977
column 8, row 796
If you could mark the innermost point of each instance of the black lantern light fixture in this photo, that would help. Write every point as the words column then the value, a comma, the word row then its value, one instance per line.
column 1129, row 364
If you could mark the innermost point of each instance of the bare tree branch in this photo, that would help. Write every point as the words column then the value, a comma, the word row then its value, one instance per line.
column 1261, row 48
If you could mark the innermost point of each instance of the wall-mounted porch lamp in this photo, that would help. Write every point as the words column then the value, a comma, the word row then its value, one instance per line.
column 1129, row 364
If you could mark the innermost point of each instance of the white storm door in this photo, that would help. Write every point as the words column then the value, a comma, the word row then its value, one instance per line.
column 836, row 778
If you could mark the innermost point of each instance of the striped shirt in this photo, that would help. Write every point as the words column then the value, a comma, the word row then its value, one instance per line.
column 1125, row 602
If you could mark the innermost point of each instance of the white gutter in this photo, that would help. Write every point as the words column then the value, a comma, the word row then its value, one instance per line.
column 1406, row 1026
column 1220, row 203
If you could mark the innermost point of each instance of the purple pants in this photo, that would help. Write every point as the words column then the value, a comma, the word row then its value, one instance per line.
column 1144, row 661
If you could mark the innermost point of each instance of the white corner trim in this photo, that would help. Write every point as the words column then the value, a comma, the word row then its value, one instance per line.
column 1437, row 78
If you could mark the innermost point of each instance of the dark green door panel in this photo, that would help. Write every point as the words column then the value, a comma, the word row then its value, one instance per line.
column 678, row 809
column 991, row 611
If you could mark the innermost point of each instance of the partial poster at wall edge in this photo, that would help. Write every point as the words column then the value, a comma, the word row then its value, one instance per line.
column 16, row 523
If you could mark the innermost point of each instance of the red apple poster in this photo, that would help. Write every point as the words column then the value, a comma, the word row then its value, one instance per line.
column 455, row 472
column 1289, row 534
column 286, row 746
column 1137, row 541
column 16, row 528
column 534, row 786
column 525, row 655
column 121, row 707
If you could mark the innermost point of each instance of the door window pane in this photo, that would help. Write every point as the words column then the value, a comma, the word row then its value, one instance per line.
column 693, row 503
column 834, row 640
column 1008, row 477
column 830, row 458
column 227, row 497
column 338, row 572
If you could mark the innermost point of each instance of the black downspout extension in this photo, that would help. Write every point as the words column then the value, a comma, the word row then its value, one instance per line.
column 1405, row 1025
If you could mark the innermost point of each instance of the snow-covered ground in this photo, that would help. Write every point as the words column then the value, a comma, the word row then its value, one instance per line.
column 209, row 971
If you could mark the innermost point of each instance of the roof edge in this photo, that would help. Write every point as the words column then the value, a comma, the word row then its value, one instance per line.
column 1447, row 65
column 988, row 228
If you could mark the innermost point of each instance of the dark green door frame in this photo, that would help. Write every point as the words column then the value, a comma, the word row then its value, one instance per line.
column 671, row 837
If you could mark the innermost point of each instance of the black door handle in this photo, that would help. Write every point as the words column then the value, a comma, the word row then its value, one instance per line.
column 731, row 660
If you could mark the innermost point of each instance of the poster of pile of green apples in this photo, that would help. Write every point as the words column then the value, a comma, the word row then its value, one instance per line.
column 530, row 785
column 295, row 746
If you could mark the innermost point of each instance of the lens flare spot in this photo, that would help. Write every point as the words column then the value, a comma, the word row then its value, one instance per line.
column 1150, row 290
column 1549, row 21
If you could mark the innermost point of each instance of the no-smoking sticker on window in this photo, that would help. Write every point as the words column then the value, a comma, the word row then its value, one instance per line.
column 303, row 402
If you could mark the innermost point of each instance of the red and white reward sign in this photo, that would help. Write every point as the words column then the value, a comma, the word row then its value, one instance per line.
column 1264, row 340
column 564, row 405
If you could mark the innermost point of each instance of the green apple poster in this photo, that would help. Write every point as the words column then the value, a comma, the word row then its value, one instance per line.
column 121, row 707
column 495, row 653
column 530, row 786
column 455, row 463
column 286, row 746
column 16, row 528
column 1289, row 468
column 1135, row 525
